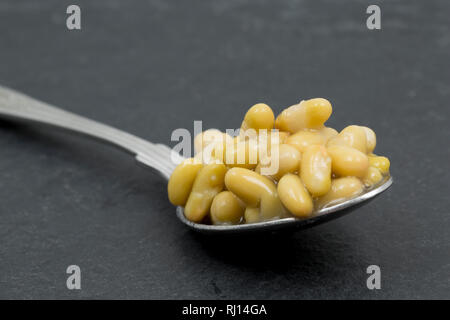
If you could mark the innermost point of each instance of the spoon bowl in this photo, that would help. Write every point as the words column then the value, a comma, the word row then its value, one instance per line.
column 291, row 224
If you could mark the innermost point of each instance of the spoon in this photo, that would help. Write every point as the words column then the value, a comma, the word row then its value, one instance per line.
column 18, row 106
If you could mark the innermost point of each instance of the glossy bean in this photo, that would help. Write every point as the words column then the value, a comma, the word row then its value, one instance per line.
column 256, row 191
column 315, row 170
column 371, row 139
column 351, row 136
column 341, row 189
column 207, row 137
column 252, row 215
column 259, row 116
column 372, row 177
column 181, row 181
column 381, row 163
column 294, row 196
column 208, row 183
column 308, row 114
column 277, row 165
column 303, row 139
column 347, row 161
column 226, row 208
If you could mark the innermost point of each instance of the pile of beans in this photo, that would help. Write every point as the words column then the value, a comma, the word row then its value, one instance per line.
column 227, row 181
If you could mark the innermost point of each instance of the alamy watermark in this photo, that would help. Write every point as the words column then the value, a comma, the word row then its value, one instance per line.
column 374, row 280
column 73, row 282
column 373, row 22
column 233, row 147
column 73, row 21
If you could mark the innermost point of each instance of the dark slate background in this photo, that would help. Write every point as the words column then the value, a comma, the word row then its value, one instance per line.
column 149, row 67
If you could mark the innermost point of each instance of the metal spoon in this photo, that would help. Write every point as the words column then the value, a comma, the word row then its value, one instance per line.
column 158, row 156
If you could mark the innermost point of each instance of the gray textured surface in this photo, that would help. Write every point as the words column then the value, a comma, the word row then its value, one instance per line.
column 151, row 66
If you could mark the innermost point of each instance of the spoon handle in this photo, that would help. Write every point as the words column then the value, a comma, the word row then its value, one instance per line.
column 21, row 107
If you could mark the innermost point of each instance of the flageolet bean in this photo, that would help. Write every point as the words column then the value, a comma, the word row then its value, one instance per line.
column 347, row 161
column 351, row 136
column 256, row 191
column 207, row 137
column 308, row 114
column 218, row 150
column 341, row 189
column 273, row 137
column 251, row 215
column 292, row 164
column 206, row 158
column 315, row 170
column 213, row 152
column 208, row 183
column 371, row 139
column 226, row 208
column 260, row 116
column 372, row 177
column 381, row 163
column 328, row 133
column 282, row 136
column 303, row 139
column 181, row 181
column 269, row 145
column 355, row 137
column 243, row 154
column 288, row 162
column 294, row 196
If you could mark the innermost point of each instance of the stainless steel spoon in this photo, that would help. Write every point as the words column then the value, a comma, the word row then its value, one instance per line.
column 18, row 106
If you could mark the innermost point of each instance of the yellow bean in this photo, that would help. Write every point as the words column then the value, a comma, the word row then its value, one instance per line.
column 371, row 139
column 252, row 215
column 315, row 170
column 282, row 136
column 288, row 159
column 181, row 181
column 258, row 171
column 243, row 154
column 266, row 141
column 302, row 139
column 208, row 183
column 308, row 114
column 341, row 189
column 227, row 152
column 226, row 208
column 381, row 163
column 218, row 150
column 347, row 161
column 356, row 137
column 328, row 133
column 260, row 116
column 372, row 177
column 256, row 191
column 214, row 151
column 351, row 136
column 294, row 196
column 207, row 137
column 206, row 158
column 213, row 144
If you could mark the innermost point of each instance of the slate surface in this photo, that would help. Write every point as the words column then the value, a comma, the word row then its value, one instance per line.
column 149, row 67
